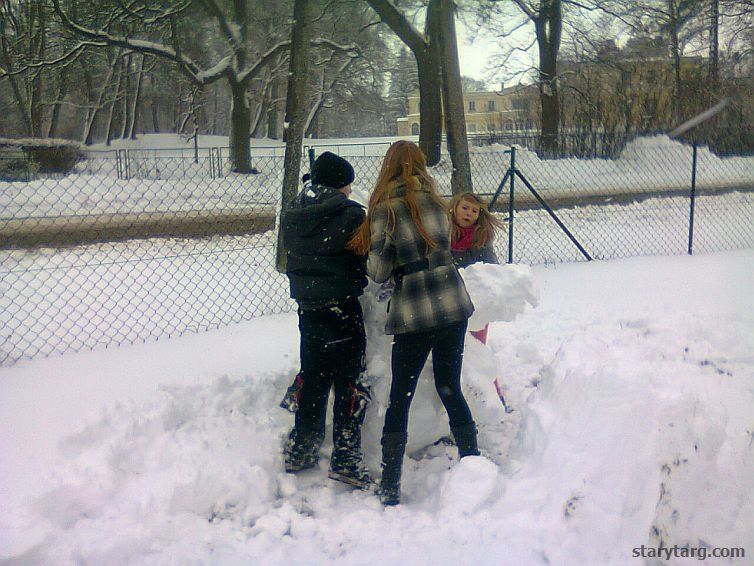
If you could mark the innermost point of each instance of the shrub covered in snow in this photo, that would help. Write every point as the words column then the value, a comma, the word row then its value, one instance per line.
column 49, row 155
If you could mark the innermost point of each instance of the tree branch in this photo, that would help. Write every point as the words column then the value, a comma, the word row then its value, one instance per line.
column 232, row 36
column 187, row 65
column 72, row 55
column 526, row 9
column 397, row 22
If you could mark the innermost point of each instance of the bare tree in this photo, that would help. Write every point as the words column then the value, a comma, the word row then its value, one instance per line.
column 425, row 48
column 455, row 120
column 294, row 111
column 23, row 39
column 547, row 17
column 239, row 63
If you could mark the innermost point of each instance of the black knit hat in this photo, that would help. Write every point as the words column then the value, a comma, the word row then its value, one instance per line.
column 332, row 171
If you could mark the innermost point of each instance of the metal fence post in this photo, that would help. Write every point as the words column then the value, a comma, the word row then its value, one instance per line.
column 118, row 163
column 512, row 207
column 692, row 200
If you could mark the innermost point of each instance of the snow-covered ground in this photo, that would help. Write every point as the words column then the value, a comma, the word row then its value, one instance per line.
column 632, row 384
column 167, row 180
column 53, row 300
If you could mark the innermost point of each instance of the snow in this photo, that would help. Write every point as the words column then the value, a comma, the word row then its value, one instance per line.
column 632, row 384
column 164, row 178
column 499, row 292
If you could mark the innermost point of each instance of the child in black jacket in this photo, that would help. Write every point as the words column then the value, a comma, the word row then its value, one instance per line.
column 326, row 281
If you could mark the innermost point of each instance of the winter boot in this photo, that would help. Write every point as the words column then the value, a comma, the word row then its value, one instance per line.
column 393, row 448
column 301, row 451
column 346, row 462
column 465, row 437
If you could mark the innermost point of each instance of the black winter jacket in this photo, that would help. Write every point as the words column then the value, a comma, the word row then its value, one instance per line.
column 316, row 229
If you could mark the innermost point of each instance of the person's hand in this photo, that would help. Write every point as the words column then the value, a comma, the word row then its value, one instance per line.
column 385, row 291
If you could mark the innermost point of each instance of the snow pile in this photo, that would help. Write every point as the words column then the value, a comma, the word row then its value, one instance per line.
column 469, row 485
column 646, row 165
column 632, row 426
column 664, row 428
column 499, row 292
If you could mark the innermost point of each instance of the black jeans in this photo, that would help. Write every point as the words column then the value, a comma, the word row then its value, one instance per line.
column 410, row 352
column 332, row 354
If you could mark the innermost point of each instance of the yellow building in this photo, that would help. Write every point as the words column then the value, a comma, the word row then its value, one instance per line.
column 488, row 112
column 630, row 89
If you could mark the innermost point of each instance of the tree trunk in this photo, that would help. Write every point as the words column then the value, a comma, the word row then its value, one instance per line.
column 55, row 116
column 114, row 103
column 548, row 27
column 240, row 122
column 215, row 109
column 257, row 122
column 155, row 109
column 272, row 112
column 38, row 46
column 133, row 126
column 18, row 90
column 425, row 50
column 430, row 88
column 319, row 100
column 675, row 50
column 88, row 133
column 295, row 108
column 455, row 120
column 714, row 50
column 126, row 108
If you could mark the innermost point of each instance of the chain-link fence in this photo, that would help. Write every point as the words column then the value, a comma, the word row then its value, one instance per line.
column 136, row 245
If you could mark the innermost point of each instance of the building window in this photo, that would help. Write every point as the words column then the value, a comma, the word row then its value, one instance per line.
column 414, row 129
column 472, row 106
column 490, row 105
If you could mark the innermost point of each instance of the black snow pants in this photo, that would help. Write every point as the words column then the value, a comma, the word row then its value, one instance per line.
column 333, row 343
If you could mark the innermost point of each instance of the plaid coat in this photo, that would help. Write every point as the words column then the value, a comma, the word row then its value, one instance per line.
column 425, row 299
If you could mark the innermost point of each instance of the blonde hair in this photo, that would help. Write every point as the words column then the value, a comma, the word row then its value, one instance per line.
column 485, row 225
column 404, row 165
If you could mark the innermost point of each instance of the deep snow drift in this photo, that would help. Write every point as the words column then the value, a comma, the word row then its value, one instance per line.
column 632, row 384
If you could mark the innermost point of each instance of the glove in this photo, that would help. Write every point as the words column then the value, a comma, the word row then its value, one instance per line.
column 385, row 291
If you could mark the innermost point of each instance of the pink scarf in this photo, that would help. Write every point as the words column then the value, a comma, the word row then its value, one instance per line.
column 465, row 236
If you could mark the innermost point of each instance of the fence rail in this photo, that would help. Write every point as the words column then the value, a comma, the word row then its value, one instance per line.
column 139, row 247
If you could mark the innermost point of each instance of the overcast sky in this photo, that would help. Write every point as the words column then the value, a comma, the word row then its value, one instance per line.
column 475, row 50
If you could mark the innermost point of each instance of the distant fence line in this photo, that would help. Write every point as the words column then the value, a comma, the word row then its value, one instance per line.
column 197, row 242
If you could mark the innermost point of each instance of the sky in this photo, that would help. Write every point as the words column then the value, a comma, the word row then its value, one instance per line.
column 473, row 55
column 476, row 48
